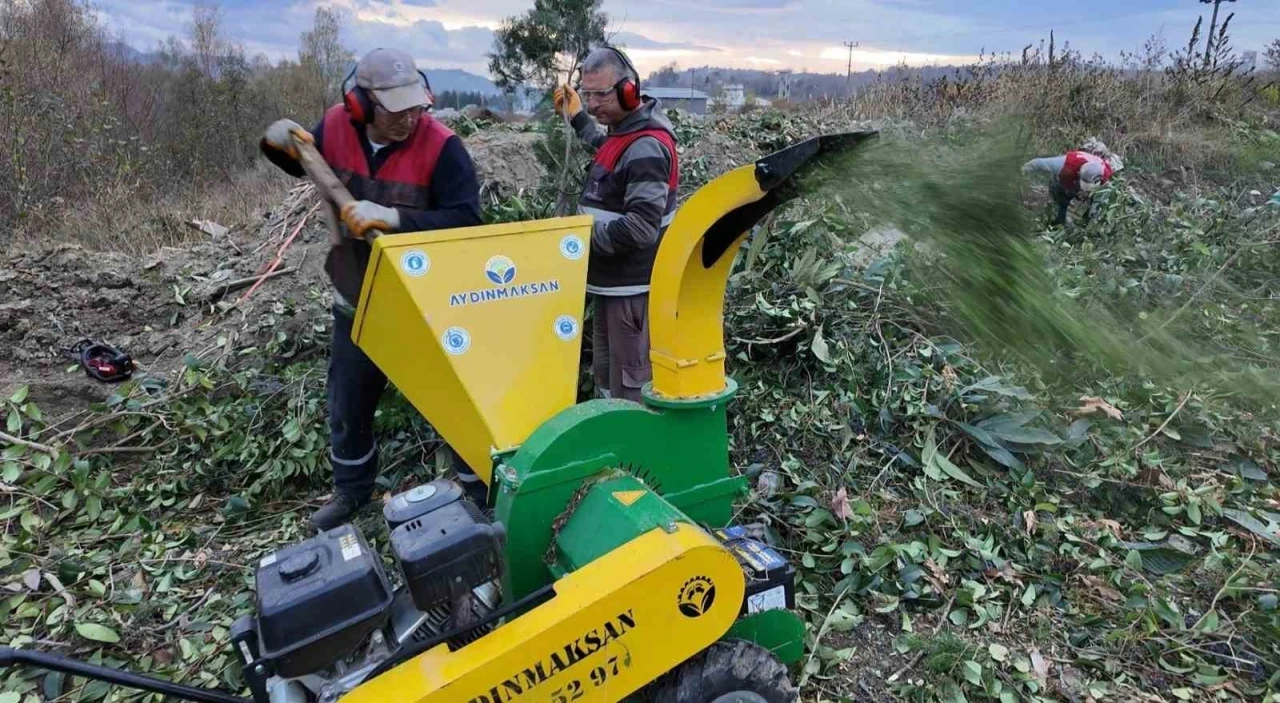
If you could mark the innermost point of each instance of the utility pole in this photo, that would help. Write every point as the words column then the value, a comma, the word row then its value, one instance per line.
column 1213, row 26
column 848, row 75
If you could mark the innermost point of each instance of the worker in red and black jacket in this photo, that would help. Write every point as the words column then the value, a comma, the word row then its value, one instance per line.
column 1073, row 175
column 631, row 192
column 407, row 173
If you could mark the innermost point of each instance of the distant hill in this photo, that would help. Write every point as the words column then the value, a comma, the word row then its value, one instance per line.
column 804, row 86
column 459, row 81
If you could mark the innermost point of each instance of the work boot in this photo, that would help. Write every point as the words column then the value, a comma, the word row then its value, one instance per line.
column 336, row 512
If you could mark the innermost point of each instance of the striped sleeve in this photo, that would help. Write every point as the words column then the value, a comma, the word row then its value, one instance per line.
column 589, row 131
column 646, row 169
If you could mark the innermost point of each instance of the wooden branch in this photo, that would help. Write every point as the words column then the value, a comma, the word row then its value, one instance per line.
column 6, row 437
column 239, row 283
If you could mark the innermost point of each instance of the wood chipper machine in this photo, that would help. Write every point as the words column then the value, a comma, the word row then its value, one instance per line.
column 605, row 566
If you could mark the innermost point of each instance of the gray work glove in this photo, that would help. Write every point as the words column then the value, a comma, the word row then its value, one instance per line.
column 281, row 134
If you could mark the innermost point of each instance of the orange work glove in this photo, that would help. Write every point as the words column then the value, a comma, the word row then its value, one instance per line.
column 363, row 215
column 567, row 101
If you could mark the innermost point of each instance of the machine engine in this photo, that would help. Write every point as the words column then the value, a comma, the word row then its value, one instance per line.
column 327, row 613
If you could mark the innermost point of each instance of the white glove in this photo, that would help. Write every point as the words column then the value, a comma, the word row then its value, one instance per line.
column 281, row 134
column 362, row 216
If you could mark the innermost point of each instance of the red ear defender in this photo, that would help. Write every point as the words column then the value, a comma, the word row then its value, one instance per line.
column 628, row 94
column 628, row 90
column 357, row 100
column 355, row 106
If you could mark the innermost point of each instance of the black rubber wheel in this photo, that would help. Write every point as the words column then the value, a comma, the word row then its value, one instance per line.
column 733, row 671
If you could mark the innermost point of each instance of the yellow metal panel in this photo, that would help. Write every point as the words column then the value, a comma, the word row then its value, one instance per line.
column 686, row 300
column 613, row 626
column 480, row 327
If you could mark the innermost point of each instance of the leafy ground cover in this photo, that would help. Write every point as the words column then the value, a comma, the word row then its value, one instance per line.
column 981, row 509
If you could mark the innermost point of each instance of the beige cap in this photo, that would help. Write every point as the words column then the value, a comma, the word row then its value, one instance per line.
column 393, row 79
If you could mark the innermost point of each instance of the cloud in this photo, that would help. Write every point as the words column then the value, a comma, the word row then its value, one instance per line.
column 758, row 60
column 631, row 40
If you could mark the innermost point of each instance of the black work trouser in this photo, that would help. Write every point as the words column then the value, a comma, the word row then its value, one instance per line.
column 354, row 386
column 1062, row 199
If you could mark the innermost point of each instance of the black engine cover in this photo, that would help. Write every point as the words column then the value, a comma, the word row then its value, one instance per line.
column 419, row 501
column 317, row 600
column 447, row 552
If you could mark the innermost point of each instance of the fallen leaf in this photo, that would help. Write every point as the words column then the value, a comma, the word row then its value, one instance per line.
column 139, row 582
column 163, row 656
column 97, row 633
column 820, row 348
column 840, row 505
column 60, row 589
column 1093, row 404
column 201, row 558
column 1153, row 476
column 31, row 579
column 936, row 575
column 1099, row 588
column 1029, row 517
column 1039, row 665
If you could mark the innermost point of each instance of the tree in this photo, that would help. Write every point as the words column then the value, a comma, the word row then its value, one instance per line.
column 546, row 42
column 1272, row 52
column 668, row 75
column 323, row 59
column 206, row 37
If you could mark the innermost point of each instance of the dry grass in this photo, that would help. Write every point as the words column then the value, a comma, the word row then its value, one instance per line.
column 125, row 220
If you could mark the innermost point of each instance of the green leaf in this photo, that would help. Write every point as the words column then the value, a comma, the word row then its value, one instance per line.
column 10, row 697
column 998, row 652
column 1162, row 558
column 807, row 561
column 1248, row 470
column 12, row 470
column 912, row 518
column 1029, row 595
column 291, row 430
column 14, row 424
column 19, row 395
column 959, row 617
column 992, row 384
column 96, row 632
column 1254, row 525
column 819, row 347
column 973, row 672
column 942, row 465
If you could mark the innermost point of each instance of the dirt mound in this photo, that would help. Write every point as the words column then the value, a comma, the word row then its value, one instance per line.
column 505, row 162
column 158, row 309
column 188, row 301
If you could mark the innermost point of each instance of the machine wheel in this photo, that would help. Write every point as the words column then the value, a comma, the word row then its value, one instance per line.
column 733, row 671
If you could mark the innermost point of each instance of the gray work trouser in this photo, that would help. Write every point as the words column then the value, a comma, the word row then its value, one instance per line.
column 620, row 346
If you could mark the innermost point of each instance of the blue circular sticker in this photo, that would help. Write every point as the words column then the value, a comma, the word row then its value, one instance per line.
column 456, row 340
column 572, row 248
column 415, row 262
column 566, row 327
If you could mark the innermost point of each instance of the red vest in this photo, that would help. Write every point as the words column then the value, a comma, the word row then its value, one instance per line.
column 404, row 178
column 614, row 146
column 1070, row 176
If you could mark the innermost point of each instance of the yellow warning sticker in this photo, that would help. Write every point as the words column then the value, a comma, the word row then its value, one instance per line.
column 628, row 497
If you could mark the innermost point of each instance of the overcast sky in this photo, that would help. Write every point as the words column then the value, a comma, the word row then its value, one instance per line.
column 768, row 34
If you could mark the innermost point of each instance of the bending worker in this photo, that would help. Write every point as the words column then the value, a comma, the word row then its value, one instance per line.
column 408, row 173
column 631, row 192
column 1076, row 174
